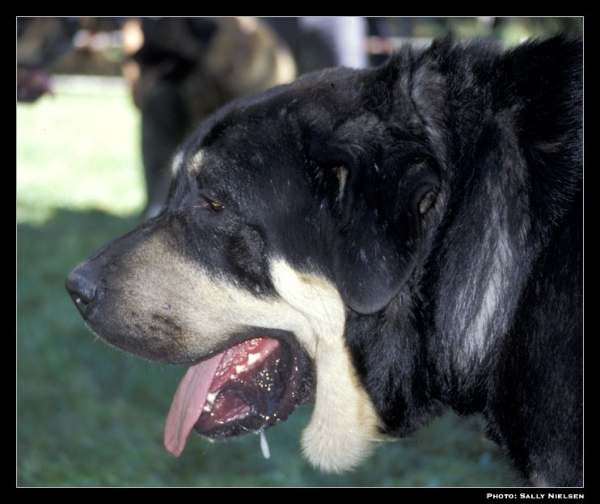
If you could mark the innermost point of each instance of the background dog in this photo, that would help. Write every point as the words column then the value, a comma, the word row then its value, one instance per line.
column 387, row 243
column 40, row 43
column 184, row 69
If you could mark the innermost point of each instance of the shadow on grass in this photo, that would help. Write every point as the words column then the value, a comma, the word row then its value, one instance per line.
column 90, row 415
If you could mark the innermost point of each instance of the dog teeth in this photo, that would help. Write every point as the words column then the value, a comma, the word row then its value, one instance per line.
column 210, row 401
column 239, row 369
column 210, row 398
column 252, row 358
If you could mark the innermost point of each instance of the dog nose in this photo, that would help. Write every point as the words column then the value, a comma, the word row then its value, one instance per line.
column 82, row 285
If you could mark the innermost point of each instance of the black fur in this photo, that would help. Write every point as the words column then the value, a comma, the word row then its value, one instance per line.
column 512, row 121
column 441, row 194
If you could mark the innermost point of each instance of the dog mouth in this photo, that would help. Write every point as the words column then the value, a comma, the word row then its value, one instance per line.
column 246, row 388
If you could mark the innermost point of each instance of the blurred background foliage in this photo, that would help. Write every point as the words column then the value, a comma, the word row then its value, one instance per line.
column 89, row 415
column 510, row 29
column 99, row 51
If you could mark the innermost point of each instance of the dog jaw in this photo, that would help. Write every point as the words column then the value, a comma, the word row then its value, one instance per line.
column 344, row 426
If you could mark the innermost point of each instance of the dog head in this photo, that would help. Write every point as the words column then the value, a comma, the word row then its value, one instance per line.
column 288, row 212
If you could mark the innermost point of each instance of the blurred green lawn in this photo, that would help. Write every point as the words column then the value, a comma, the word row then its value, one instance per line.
column 90, row 415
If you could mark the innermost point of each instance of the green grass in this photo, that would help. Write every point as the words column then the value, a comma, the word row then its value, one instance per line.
column 90, row 415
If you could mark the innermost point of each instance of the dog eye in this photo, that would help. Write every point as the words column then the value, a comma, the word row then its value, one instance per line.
column 211, row 205
column 216, row 206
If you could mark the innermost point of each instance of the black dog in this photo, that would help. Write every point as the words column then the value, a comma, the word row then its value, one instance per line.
column 388, row 242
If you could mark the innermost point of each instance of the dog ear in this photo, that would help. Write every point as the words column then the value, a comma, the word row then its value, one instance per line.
column 379, row 168
column 381, row 208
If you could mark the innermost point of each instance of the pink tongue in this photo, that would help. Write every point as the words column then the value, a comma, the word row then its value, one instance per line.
column 188, row 403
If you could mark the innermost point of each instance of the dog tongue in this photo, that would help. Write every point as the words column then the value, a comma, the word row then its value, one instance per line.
column 188, row 403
